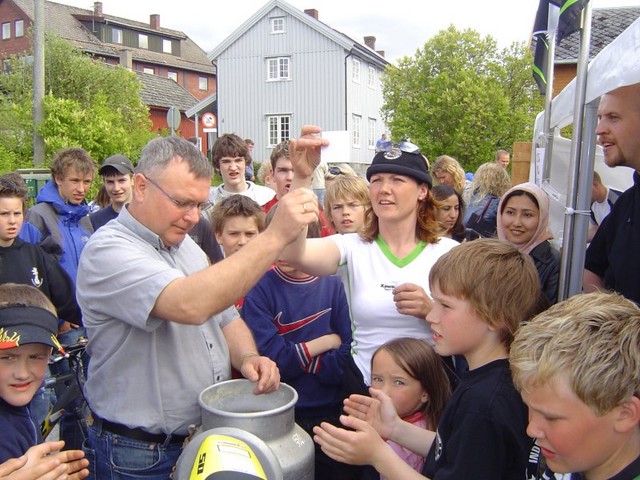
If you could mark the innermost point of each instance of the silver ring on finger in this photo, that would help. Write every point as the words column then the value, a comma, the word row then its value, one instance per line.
column 304, row 207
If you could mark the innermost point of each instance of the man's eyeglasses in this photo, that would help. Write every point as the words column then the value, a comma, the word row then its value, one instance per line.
column 335, row 171
column 184, row 205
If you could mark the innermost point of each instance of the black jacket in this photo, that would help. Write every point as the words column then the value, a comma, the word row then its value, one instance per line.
column 547, row 262
column 28, row 264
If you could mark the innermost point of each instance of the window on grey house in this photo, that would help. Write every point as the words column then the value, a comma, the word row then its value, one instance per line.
column 279, row 128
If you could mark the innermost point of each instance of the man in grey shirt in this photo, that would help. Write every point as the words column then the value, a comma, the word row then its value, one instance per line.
column 158, row 318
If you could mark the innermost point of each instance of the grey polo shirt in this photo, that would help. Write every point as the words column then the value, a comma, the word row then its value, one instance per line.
column 144, row 371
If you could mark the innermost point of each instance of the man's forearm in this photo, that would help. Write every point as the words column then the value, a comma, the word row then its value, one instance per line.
column 240, row 342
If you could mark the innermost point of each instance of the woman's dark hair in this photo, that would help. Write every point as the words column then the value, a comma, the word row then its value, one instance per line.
column 519, row 193
column 441, row 193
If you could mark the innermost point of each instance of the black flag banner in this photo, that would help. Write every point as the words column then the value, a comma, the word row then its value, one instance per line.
column 570, row 15
column 569, row 22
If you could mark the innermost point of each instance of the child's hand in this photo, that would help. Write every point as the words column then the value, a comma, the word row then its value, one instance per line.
column 411, row 299
column 17, row 469
column 41, row 463
column 377, row 410
column 358, row 447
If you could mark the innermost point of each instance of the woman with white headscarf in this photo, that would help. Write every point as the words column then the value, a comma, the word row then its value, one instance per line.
column 523, row 221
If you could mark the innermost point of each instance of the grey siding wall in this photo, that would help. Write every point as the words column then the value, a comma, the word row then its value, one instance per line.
column 365, row 101
column 315, row 93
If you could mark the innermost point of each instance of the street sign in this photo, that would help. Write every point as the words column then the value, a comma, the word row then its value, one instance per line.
column 173, row 118
column 208, row 121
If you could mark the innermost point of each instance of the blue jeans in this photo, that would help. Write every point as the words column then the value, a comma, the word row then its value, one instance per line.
column 114, row 457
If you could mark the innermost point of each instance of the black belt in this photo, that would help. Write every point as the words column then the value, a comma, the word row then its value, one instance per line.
column 137, row 433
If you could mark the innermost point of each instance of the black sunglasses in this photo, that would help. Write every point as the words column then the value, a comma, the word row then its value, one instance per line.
column 335, row 171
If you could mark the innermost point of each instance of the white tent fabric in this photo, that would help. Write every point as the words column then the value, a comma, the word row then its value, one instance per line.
column 615, row 66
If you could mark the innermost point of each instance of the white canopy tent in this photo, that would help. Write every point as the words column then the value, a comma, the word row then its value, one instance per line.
column 615, row 66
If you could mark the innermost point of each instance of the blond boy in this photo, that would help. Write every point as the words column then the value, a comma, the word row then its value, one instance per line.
column 346, row 204
column 577, row 366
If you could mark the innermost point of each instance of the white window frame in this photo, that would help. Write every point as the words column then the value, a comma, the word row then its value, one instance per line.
column 143, row 41
column 372, row 77
column 355, row 70
column 278, row 25
column 18, row 28
column 371, row 133
column 278, row 129
column 356, row 126
column 149, row 70
column 278, row 69
column 203, row 83
column 116, row 35
column 167, row 46
column 6, row 30
column 172, row 75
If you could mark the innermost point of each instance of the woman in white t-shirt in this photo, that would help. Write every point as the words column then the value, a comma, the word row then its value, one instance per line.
column 387, row 266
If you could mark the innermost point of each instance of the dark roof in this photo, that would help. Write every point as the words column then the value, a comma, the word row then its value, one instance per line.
column 64, row 21
column 163, row 92
column 606, row 25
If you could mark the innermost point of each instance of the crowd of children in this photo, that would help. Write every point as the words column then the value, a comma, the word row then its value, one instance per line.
column 418, row 355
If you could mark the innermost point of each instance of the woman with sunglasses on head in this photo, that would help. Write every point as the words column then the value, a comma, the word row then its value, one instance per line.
column 388, row 262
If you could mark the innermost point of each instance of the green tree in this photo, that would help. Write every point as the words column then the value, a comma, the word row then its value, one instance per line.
column 88, row 104
column 462, row 96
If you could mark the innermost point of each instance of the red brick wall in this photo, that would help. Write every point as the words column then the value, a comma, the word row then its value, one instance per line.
column 13, row 46
column 563, row 74
column 187, row 127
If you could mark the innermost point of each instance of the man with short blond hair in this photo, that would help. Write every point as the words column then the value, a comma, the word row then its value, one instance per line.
column 502, row 158
column 611, row 260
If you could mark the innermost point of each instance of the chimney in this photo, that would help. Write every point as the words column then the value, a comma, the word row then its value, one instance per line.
column 380, row 52
column 312, row 12
column 154, row 21
column 370, row 42
column 97, row 9
column 126, row 59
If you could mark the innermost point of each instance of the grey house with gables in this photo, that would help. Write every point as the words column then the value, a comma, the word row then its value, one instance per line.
column 283, row 68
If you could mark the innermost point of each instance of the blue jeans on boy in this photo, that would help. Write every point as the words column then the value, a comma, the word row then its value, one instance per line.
column 114, row 457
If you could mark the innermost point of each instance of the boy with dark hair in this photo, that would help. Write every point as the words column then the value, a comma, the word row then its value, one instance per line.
column 281, row 173
column 482, row 291
column 28, row 327
column 230, row 156
column 27, row 263
column 117, row 175
column 302, row 323
column 577, row 366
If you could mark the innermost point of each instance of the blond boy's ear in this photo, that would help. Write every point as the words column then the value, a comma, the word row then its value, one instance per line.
column 628, row 415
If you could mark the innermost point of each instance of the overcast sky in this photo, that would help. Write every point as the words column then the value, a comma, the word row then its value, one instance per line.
column 400, row 26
